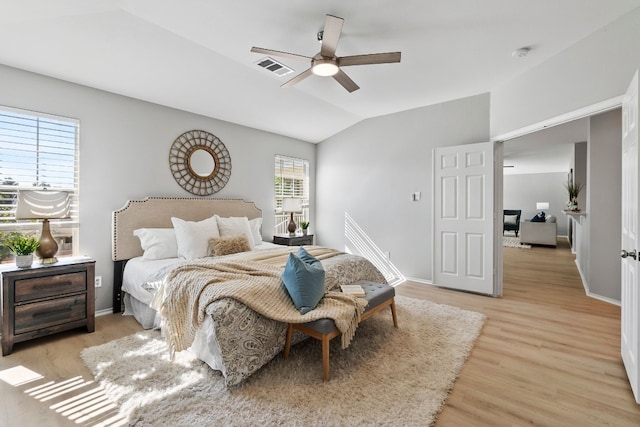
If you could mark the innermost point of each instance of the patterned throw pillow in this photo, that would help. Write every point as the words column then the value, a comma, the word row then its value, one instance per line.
column 229, row 245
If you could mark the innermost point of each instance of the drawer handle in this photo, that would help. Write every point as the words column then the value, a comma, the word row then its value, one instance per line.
column 46, row 285
column 52, row 312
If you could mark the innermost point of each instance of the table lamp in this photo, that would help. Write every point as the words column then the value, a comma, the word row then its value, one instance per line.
column 541, row 206
column 44, row 205
column 292, row 205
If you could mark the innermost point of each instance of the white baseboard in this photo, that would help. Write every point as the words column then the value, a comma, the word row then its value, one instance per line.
column 104, row 312
column 605, row 299
column 590, row 294
column 423, row 281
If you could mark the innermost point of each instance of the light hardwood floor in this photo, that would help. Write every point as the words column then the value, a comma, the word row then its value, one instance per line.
column 548, row 355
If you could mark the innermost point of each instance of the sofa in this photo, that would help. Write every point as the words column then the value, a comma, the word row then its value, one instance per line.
column 539, row 233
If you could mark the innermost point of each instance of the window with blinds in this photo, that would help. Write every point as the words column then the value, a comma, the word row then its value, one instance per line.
column 291, row 180
column 37, row 151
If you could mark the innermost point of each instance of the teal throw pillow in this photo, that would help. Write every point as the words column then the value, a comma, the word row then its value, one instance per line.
column 303, row 277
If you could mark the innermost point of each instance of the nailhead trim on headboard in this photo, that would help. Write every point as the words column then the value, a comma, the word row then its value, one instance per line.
column 156, row 212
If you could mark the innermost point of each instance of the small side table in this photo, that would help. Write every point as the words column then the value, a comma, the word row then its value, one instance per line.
column 46, row 299
column 297, row 240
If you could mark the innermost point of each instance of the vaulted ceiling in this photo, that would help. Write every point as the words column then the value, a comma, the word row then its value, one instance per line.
column 194, row 55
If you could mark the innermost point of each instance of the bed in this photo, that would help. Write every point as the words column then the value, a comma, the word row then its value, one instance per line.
column 229, row 336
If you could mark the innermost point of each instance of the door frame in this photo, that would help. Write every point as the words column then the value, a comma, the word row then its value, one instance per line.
column 590, row 110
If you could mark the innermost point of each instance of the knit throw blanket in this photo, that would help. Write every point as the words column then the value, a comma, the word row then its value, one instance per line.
column 254, row 280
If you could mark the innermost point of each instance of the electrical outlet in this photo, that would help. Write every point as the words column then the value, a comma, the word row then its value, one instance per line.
column 98, row 281
column 387, row 254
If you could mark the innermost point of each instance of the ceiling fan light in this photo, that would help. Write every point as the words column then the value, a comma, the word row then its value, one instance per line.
column 324, row 67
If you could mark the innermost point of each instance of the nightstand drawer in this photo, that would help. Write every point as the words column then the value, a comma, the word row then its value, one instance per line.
column 297, row 240
column 50, row 286
column 39, row 315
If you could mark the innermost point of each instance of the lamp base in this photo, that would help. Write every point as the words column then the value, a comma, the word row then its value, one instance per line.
column 292, row 226
column 48, row 245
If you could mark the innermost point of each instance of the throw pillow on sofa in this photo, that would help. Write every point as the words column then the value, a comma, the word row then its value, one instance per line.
column 539, row 217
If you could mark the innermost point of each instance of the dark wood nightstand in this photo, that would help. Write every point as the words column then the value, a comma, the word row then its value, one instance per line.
column 297, row 240
column 46, row 299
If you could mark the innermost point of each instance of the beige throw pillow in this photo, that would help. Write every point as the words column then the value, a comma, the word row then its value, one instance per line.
column 229, row 245
column 232, row 226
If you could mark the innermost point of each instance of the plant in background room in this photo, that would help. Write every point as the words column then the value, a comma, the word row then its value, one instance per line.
column 574, row 189
column 305, row 227
column 23, row 246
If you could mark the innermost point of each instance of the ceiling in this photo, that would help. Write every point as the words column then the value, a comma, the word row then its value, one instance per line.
column 194, row 54
column 546, row 151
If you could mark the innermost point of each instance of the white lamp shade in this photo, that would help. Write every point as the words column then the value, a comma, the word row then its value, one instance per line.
column 324, row 67
column 542, row 206
column 37, row 204
column 290, row 204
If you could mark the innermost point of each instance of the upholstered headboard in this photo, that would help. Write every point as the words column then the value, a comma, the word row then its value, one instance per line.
column 156, row 212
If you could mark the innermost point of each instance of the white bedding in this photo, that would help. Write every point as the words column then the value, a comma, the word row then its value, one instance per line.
column 233, row 338
column 139, row 291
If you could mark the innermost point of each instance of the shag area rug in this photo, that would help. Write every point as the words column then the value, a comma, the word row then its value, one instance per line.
column 514, row 242
column 387, row 376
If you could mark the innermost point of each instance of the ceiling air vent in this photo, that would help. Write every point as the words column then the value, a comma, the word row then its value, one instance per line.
column 274, row 66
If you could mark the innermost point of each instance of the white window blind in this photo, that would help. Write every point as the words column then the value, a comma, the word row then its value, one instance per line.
column 291, row 180
column 37, row 151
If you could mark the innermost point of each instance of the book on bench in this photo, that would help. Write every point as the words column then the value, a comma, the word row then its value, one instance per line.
column 355, row 290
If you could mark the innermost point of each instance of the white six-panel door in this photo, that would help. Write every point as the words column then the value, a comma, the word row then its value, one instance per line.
column 463, row 217
column 630, row 294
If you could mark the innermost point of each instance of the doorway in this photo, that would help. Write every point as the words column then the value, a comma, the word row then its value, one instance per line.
column 556, row 151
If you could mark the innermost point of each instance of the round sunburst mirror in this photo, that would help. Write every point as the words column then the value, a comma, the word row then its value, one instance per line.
column 200, row 162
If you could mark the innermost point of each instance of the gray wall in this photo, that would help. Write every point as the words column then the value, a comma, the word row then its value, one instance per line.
column 124, row 150
column 580, row 171
column 370, row 170
column 604, row 197
column 525, row 190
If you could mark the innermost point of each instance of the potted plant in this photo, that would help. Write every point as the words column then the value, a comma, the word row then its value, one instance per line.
column 23, row 246
column 305, row 227
column 573, row 189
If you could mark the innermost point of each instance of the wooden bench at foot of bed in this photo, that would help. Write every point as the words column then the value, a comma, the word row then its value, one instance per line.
column 379, row 297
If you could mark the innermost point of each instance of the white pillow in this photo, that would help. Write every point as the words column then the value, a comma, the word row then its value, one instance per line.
column 510, row 219
column 256, row 225
column 235, row 225
column 193, row 237
column 157, row 243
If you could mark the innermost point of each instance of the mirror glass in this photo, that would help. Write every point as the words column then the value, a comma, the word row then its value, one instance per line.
column 202, row 162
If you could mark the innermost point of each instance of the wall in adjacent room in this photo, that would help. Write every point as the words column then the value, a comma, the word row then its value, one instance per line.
column 525, row 190
column 124, row 151
column 370, row 170
column 604, row 198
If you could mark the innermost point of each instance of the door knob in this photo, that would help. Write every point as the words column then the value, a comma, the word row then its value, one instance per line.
column 625, row 254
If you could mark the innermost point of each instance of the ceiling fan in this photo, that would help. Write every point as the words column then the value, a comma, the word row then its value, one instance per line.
column 326, row 63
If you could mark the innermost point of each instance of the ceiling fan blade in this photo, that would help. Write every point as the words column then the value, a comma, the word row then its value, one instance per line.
column 281, row 54
column 346, row 81
column 374, row 58
column 331, row 35
column 298, row 78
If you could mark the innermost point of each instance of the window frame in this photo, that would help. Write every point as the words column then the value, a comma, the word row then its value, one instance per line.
column 281, row 219
column 59, row 146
